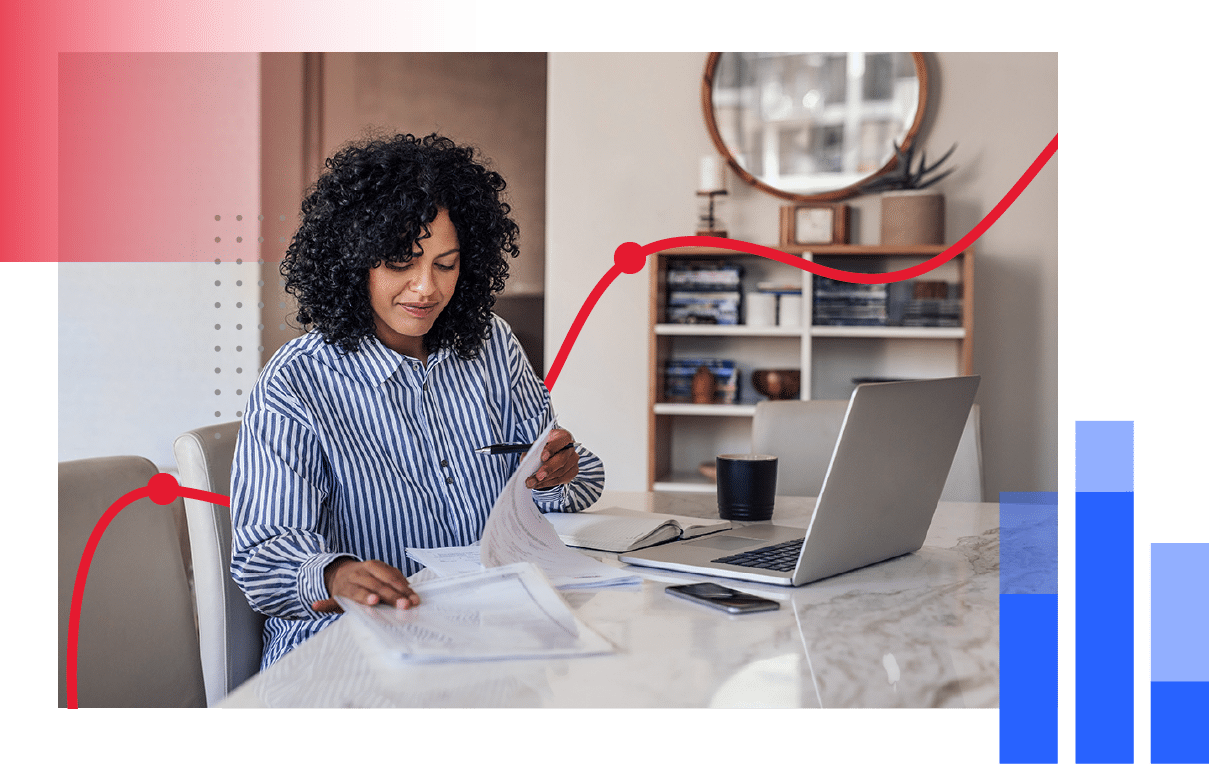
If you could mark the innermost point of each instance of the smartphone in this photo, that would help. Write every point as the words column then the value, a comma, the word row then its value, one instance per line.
column 722, row 598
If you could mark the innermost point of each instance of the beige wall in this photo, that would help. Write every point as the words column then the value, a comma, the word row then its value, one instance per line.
column 625, row 143
column 494, row 101
column 626, row 135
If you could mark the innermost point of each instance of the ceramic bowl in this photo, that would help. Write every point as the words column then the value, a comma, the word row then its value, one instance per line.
column 777, row 384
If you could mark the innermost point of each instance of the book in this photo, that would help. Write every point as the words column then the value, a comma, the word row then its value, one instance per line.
column 614, row 529
column 838, row 303
column 708, row 276
column 779, row 287
column 704, row 293
column 924, row 303
column 718, row 307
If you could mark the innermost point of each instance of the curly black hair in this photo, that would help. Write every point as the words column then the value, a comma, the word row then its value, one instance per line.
column 373, row 202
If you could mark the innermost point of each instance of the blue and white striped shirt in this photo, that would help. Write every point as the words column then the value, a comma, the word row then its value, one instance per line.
column 369, row 453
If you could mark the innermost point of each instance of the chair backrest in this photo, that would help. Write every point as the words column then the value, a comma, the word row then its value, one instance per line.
column 230, row 631
column 965, row 476
column 802, row 435
column 138, row 642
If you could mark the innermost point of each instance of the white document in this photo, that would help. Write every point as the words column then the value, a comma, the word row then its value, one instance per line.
column 516, row 531
column 458, row 560
column 448, row 560
column 496, row 614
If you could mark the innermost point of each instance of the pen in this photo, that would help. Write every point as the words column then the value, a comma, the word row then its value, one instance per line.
column 514, row 448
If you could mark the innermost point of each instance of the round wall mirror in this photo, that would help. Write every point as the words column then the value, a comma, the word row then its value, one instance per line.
column 812, row 126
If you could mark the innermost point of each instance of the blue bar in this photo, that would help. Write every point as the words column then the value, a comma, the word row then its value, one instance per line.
column 1028, row 543
column 1179, row 662
column 1028, row 628
column 1028, row 678
column 1104, row 592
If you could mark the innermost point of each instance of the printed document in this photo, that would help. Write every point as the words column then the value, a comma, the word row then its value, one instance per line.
column 457, row 560
column 504, row 612
column 516, row 531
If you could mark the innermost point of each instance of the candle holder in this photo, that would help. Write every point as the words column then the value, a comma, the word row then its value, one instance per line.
column 707, row 222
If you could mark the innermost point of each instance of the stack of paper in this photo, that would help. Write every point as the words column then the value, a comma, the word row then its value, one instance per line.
column 495, row 614
column 517, row 531
column 584, row 574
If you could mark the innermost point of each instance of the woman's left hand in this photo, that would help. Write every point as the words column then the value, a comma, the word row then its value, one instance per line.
column 560, row 462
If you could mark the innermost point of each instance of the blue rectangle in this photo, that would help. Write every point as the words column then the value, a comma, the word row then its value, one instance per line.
column 1028, row 678
column 1104, row 456
column 1178, row 712
column 1028, row 628
column 1028, row 543
column 1103, row 627
column 1179, row 613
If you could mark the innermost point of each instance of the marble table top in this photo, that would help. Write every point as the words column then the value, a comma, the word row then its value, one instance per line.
column 917, row 631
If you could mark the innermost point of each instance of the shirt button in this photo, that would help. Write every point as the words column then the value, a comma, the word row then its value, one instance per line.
column 444, row 462
column 424, row 387
column 449, row 480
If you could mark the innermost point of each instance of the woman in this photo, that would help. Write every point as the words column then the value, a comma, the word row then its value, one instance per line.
column 358, row 438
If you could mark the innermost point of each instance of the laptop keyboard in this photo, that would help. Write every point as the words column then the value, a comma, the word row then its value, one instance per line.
column 780, row 557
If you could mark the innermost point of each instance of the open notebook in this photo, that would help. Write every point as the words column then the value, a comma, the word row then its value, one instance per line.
column 615, row 529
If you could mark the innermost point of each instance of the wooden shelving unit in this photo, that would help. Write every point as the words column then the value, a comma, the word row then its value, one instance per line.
column 682, row 435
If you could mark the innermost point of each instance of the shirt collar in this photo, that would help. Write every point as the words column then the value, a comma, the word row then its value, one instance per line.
column 373, row 363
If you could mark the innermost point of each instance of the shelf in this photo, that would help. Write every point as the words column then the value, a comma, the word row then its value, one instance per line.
column 705, row 409
column 871, row 250
column 715, row 330
column 682, row 434
column 891, row 332
column 688, row 482
column 860, row 250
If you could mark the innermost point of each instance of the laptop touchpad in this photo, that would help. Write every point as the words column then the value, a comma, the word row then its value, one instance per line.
column 725, row 543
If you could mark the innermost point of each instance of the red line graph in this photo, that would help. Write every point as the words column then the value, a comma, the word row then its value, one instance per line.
column 161, row 489
column 631, row 257
column 628, row 258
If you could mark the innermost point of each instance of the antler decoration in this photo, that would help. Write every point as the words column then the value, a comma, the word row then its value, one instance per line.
column 901, row 176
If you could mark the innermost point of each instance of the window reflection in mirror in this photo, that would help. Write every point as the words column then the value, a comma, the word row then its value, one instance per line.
column 812, row 125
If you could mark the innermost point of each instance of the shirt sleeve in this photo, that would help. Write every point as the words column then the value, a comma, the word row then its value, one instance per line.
column 531, row 400
column 279, row 484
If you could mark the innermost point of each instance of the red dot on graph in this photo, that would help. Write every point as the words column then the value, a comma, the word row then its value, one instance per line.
column 163, row 488
column 629, row 257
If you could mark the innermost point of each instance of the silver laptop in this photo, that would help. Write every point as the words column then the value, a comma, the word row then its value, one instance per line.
column 887, row 471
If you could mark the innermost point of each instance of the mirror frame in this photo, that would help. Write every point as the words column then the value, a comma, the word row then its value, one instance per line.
column 707, row 104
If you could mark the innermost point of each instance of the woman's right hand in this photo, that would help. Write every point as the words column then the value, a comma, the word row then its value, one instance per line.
column 369, row 582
